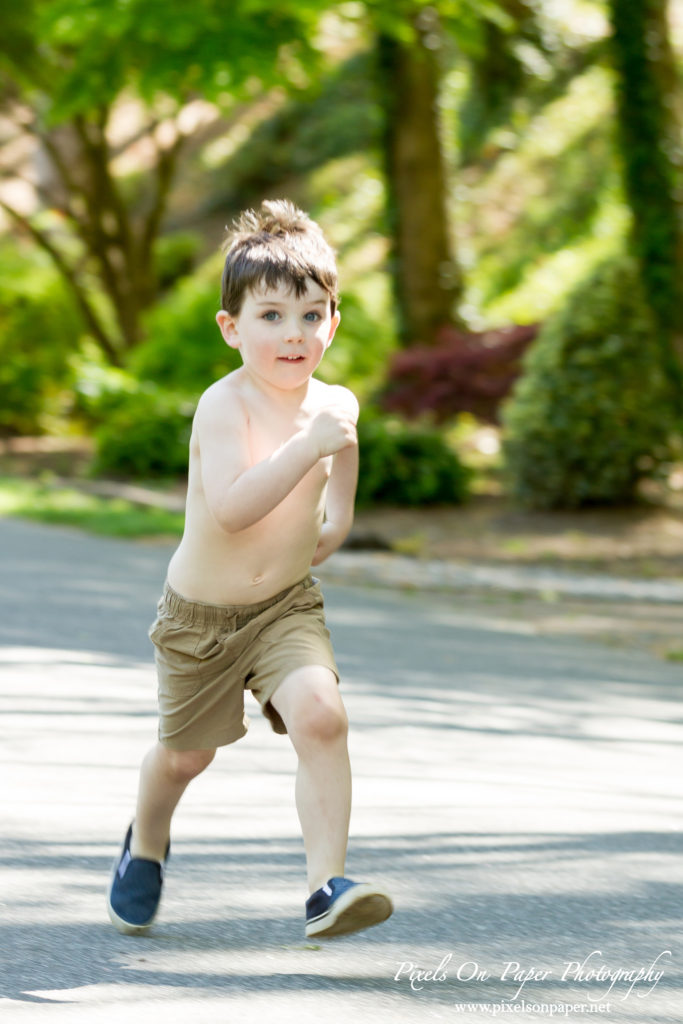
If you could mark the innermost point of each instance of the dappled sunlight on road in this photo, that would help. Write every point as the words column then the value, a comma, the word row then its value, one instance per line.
column 517, row 793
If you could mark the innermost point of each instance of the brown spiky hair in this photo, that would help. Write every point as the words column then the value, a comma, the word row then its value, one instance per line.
column 276, row 244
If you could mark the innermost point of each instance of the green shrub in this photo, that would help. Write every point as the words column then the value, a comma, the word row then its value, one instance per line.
column 405, row 465
column 98, row 389
column 174, row 256
column 145, row 433
column 362, row 345
column 39, row 328
column 184, row 350
column 592, row 412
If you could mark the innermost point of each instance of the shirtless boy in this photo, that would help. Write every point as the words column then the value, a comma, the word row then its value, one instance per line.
column 272, row 479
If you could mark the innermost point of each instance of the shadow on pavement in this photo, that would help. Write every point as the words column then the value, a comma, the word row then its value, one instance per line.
column 518, row 795
column 486, row 898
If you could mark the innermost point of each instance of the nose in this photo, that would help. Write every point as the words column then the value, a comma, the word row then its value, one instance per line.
column 293, row 331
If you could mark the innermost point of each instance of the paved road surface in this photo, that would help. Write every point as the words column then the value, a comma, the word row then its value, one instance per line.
column 520, row 796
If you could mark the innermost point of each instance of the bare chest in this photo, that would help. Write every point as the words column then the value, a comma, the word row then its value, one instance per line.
column 267, row 436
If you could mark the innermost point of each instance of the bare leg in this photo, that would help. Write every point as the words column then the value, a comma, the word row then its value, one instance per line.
column 164, row 777
column 309, row 703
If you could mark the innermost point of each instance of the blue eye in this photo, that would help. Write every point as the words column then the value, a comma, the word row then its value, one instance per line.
column 271, row 315
column 312, row 317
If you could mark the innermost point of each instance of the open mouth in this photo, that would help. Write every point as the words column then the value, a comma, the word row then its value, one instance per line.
column 291, row 359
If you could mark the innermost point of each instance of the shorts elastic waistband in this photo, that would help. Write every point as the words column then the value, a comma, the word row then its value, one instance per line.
column 203, row 614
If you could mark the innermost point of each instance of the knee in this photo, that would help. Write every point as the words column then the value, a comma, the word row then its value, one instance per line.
column 184, row 765
column 321, row 721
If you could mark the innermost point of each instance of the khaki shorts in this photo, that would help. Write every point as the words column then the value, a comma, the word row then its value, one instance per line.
column 208, row 654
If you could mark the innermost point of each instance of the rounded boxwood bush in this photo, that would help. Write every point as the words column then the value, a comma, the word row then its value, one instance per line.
column 406, row 465
column 592, row 413
column 146, row 433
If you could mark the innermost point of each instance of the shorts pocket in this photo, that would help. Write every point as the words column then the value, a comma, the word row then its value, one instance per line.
column 182, row 653
column 184, row 638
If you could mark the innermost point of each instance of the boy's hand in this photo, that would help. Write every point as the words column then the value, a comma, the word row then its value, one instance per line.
column 333, row 429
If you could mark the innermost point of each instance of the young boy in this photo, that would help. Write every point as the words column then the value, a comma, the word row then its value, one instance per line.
column 272, row 479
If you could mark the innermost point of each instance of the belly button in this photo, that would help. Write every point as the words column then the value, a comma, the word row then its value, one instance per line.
column 257, row 579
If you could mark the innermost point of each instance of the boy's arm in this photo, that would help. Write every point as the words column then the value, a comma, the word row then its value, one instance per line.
column 341, row 492
column 240, row 494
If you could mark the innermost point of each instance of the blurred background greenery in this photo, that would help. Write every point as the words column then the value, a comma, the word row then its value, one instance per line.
column 502, row 181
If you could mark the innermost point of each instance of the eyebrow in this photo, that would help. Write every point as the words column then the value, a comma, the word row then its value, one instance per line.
column 280, row 302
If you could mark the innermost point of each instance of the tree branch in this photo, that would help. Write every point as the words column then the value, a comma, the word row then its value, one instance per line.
column 106, row 194
column 70, row 183
column 50, row 200
column 71, row 278
column 100, row 200
column 165, row 169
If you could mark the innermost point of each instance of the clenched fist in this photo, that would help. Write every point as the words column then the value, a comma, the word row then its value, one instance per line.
column 332, row 429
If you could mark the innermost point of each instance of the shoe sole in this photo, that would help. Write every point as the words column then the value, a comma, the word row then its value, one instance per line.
column 121, row 925
column 360, row 907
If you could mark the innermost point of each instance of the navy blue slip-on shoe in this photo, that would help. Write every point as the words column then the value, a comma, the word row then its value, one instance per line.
column 343, row 906
column 134, row 890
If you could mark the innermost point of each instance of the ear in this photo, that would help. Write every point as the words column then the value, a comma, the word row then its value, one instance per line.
column 228, row 328
column 334, row 324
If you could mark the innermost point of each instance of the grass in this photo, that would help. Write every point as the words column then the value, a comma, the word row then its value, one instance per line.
column 68, row 506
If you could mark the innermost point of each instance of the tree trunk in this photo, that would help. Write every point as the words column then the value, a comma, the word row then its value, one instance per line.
column 648, row 93
column 426, row 276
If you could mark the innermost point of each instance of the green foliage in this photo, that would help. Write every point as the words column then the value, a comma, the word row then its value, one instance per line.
column 38, row 328
column 145, row 433
column 80, row 54
column 184, row 350
column 647, row 90
column 405, row 19
column 406, row 465
column 518, row 69
column 362, row 345
column 557, row 218
column 174, row 256
column 335, row 116
column 497, row 76
column 140, row 429
column 91, row 84
column 549, row 210
column 592, row 413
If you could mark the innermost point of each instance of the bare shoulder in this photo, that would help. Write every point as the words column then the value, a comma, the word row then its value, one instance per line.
column 335, row 394
column 221, row 405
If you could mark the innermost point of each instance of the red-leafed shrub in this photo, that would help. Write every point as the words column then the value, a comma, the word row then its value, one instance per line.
column 464, row 372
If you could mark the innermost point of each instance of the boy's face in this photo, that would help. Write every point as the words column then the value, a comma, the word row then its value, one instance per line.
column 281, row 337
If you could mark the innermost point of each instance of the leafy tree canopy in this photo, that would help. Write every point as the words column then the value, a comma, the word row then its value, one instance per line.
column 403, row 19
column 75, row 56
column 64, row 66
